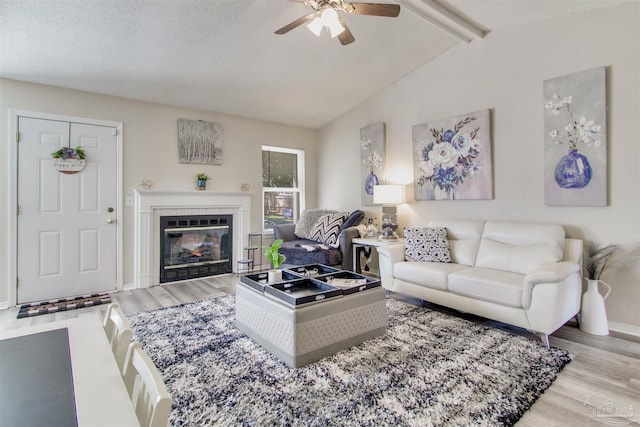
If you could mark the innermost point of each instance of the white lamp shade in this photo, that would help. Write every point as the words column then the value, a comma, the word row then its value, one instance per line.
column 388, row 194
column 316, row 26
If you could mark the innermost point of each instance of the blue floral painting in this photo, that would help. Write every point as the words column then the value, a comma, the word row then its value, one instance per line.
column 575, row 139
column 452, row 158
column 372, row 146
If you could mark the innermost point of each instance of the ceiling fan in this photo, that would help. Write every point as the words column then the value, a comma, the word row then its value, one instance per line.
column 325, row 14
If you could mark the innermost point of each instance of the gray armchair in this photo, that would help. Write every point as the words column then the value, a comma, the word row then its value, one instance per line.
column 303, row 251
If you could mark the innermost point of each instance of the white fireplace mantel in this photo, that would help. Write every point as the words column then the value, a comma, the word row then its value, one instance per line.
column 150, row 205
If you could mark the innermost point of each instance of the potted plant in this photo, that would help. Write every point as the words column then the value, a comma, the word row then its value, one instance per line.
column 276, row 258
column 202, row 181
column 593, row 312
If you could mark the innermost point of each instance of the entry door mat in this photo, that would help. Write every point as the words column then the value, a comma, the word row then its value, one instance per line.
column 63, row 304
column 429, row 369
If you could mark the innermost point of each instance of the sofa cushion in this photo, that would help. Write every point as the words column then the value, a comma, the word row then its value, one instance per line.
column 327, row 228
column 428, row 274
column 520, row 247
column 307, row 220
column 426, row 244
column 464, row 238
column 298, row 253
column 353, row 219
column 500, row 287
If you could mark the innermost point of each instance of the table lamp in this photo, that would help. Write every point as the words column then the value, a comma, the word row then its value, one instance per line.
column 389, row 196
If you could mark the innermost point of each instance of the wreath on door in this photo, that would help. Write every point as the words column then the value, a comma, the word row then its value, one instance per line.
column 69, row 160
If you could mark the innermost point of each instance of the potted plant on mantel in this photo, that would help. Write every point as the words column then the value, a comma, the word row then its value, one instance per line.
column 276, row 258
column 202, row 181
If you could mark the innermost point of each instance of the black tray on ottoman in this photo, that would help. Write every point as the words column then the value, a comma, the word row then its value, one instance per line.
column 259, row 281
column 312, row 270
column 302, row 291
column 351, row 282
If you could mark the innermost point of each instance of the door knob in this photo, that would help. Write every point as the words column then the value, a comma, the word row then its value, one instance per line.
column 111, row 221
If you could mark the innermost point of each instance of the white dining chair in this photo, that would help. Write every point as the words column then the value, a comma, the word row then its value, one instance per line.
column 146, row 388
column 118, row 331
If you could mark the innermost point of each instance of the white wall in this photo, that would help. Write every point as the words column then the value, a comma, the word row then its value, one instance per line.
column 505, row 72
column 150, row 151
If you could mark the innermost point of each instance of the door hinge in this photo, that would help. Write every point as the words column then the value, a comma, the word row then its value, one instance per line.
column 17, row 209
column 115, row 132
column 17, row 136
column 17, row 282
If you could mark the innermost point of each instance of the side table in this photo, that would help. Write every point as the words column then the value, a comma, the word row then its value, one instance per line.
column 364, row 244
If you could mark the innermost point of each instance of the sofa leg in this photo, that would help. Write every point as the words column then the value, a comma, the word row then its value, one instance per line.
column 578, row 317
column 544, row 338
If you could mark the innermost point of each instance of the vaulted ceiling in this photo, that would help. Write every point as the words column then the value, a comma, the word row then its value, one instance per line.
column 223, row 56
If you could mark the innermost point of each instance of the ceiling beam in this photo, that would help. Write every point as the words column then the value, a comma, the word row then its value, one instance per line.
column 444, row 19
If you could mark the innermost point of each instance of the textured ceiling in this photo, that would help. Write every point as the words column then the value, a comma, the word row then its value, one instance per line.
column 222, row 55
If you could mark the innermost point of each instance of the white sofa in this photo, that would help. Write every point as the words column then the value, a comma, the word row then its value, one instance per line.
column 523, row 274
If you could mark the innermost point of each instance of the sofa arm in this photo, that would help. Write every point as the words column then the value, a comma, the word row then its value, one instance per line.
column 346, row 246
column 387, row 257
column 551, row 295
column 285, row 232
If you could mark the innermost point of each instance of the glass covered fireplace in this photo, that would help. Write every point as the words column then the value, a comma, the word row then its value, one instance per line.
column 195, row 246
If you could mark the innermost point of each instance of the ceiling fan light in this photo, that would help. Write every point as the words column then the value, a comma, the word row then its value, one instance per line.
column 329, row 17
column 336, row 29
column 316, row 26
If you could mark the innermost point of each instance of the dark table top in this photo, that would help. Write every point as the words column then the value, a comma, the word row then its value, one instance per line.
column 36, row 380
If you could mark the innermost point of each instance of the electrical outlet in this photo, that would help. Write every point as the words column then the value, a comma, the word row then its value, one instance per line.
column 128, row 201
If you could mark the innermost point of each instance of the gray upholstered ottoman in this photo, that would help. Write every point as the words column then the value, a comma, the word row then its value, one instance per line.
column 307, row 333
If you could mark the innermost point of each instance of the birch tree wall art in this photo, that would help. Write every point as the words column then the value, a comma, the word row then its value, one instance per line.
column 199, row 142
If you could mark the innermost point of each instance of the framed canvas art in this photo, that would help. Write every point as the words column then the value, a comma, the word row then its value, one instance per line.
column 372, row 146
column 575, row 142
column 452, row 158
column 199, row 142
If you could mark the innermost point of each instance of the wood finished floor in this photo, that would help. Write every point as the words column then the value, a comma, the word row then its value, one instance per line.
column 604, row 371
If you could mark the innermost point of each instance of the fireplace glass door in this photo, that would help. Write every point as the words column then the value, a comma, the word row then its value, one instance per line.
column 195, row 246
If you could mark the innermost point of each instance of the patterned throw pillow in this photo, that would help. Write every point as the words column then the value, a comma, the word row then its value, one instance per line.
column 308, row 220
column 427, row 244
column 327, row 228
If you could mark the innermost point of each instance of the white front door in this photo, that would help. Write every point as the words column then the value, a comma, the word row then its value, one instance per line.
column 67, row 233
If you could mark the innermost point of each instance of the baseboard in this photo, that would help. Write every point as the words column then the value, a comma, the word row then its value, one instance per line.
column 4, row 305
column 624, row 328
column 128, row 286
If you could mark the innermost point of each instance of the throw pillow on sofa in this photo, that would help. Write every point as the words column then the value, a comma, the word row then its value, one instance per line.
column 427, row 244
column 308, row 219
column 327, row 228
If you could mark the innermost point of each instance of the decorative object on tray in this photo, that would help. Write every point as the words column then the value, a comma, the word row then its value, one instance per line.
column 202, row 181
column 452, row 158
column 372, row 151
column 68, row 160
column 199, row 142
column 594, row 313
column 276, row 258
column 576, row 139
column 431, row 351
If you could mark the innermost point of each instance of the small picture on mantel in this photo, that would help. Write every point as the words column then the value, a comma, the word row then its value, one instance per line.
column 199, row 142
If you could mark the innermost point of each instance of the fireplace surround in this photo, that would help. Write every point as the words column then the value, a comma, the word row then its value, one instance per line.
column 151, row 205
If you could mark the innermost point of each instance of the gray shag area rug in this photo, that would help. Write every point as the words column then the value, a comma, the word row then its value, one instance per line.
column 430, row 369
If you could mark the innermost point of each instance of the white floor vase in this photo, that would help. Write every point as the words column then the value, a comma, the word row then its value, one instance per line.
column 594, row 313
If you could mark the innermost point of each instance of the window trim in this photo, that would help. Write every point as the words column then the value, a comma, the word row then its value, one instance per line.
column 300, row 189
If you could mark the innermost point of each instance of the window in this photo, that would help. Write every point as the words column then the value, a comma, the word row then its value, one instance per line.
column 282, row 185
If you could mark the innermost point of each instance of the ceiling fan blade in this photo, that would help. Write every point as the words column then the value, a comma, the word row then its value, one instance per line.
column 376, row 9
column 296, row 23
column 345, row 37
